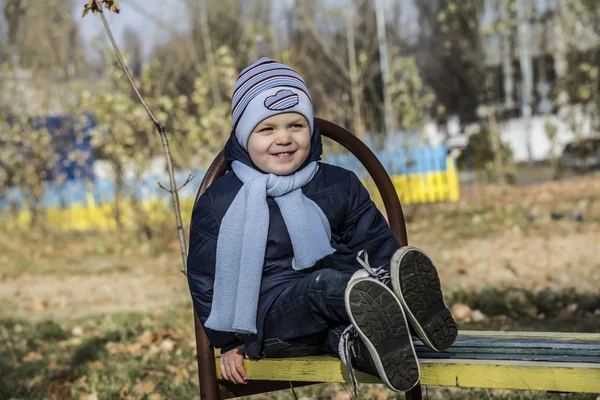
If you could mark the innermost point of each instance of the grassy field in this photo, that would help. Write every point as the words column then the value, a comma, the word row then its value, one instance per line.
column 106, row 316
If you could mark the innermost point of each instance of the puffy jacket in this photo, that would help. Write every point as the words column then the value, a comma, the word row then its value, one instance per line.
column 356, row 224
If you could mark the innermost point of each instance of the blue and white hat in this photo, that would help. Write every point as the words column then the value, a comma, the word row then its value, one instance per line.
column 264, row 89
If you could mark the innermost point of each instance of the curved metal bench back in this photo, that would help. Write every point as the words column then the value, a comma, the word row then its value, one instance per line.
column 393, row 209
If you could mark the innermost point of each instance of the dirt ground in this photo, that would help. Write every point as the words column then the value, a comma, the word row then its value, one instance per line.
column 503, row 236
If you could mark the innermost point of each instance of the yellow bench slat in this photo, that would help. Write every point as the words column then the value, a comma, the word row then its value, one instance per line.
column 562, row 377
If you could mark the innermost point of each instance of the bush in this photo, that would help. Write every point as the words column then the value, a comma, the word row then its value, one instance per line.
column 481, row 155
column 50, row 331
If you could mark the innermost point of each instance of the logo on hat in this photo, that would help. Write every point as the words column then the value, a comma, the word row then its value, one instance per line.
column 282, row 100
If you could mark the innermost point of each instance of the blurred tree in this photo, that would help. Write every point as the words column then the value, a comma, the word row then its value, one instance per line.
column 414, row 103
column 125, row 139
column 450, row 55
column 132, row 46
column 578, row 48
column 27, row 156
column 51, row 41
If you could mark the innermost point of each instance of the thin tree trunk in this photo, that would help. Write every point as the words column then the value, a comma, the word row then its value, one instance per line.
column 355, row 86
column 507, row 70
column 275, row 31
column 524, row 36
column 142, row 219
column 208, row 52
column 118, row 179
column 384, row 65
column 496, row 146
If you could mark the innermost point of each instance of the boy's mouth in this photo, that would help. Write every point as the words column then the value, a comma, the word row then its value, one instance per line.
column 284, row 154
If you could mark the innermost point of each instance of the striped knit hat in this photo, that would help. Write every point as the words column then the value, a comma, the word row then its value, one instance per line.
column 264, row 89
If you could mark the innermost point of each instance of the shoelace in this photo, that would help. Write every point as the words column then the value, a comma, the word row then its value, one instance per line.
column 383, row 276
column 347, row 336
column 380, row 273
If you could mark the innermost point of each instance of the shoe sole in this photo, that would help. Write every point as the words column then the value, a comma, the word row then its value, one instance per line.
column 416, row 283
column 377, row 316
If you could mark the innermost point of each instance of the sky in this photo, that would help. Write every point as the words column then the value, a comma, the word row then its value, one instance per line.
column 155, row 23
column 164, row 16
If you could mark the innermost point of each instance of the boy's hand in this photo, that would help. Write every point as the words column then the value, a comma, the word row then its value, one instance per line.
column 232, row 367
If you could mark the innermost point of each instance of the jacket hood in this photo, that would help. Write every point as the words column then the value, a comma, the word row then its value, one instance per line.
column 235, row 152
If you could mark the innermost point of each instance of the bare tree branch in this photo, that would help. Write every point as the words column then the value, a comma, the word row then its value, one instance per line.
column 163, row 136
column 151, row 17
column 188, row 180
column 324, row 47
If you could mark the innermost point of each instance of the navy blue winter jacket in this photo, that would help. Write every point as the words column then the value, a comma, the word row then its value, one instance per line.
column 356, row 224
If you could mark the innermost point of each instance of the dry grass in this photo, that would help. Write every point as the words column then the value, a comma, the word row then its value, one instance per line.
column 113, row 300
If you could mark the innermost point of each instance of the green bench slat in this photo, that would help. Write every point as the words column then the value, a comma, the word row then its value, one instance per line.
column 522, row 349
column 570, row 336
column 472, row 341
column 507, row 357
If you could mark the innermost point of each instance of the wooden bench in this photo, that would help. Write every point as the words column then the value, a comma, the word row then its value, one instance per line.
column 509, row 360
column 512, row 360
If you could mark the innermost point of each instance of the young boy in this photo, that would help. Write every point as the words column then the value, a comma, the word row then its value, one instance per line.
column 279, row 246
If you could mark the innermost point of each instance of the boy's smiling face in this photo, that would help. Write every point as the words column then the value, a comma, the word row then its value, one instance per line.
column 280, row 144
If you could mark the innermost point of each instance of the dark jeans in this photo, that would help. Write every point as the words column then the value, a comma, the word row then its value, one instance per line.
column 308, row 317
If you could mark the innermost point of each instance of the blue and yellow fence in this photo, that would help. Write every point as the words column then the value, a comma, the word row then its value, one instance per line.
column 420, row 175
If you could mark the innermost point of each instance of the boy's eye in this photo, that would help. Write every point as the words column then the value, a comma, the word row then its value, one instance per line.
column 266, row 129
column 298, row 126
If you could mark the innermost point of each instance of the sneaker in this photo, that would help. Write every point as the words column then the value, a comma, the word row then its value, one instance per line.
column 354, row 354
column 415, row 282
column 383, row 346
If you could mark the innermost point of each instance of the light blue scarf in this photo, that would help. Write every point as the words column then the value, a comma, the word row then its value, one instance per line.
column 242, row 242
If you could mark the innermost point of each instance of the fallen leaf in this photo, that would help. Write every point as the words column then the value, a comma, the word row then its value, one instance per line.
column 135, row 349
column 171, row 368
column 60, row 391
column 144, row 387
column 112, row 347
column 162, row 333
column 147, row 338
column 378, row 394
column 182, row 374
column 124, row 392
column 155, row 396
column 37, row 305
column 77, row 331
column 33, row 356
column 156, row 315
column 341, row 396
column 461, row 312
column 150, row 372
column 53, row 365
column 92, row 396
column 167, row 345
column 478, row 316
column 185, row 373
column 35, row 381
column 152, row 351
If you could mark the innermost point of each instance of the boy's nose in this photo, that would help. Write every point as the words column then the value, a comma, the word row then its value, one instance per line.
column 283, row 138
